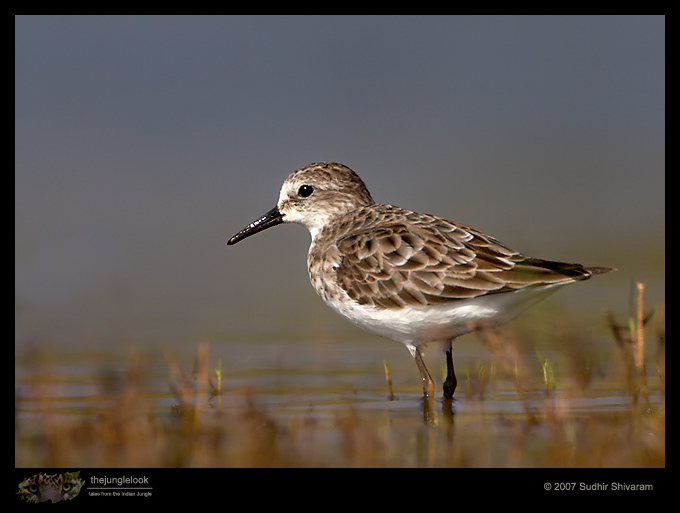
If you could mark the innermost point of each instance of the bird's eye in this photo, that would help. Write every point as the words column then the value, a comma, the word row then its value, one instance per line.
column 305, row 191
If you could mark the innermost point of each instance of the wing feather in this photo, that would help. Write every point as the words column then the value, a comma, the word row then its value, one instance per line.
column 389, row 263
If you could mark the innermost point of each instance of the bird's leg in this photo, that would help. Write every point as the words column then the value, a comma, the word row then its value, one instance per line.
column 451, row 381
column 428, row 382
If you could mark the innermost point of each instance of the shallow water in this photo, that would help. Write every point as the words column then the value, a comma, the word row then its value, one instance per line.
column 292, row 403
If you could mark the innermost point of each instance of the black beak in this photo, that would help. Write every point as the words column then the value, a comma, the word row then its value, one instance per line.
column 271, row 218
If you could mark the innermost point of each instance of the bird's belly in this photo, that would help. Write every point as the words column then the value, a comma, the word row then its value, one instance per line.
column 441, row 322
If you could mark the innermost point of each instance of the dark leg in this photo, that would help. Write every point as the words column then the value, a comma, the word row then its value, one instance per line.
column 428, row 382
column 451, row 381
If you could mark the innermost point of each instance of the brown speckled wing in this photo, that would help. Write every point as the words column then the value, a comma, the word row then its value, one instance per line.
column 431, row 261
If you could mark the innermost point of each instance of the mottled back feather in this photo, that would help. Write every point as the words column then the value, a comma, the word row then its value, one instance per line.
column 389, row 263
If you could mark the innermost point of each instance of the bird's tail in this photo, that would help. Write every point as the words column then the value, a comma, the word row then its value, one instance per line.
column 599, row 270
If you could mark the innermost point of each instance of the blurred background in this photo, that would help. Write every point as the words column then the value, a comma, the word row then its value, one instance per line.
column 142, row 143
